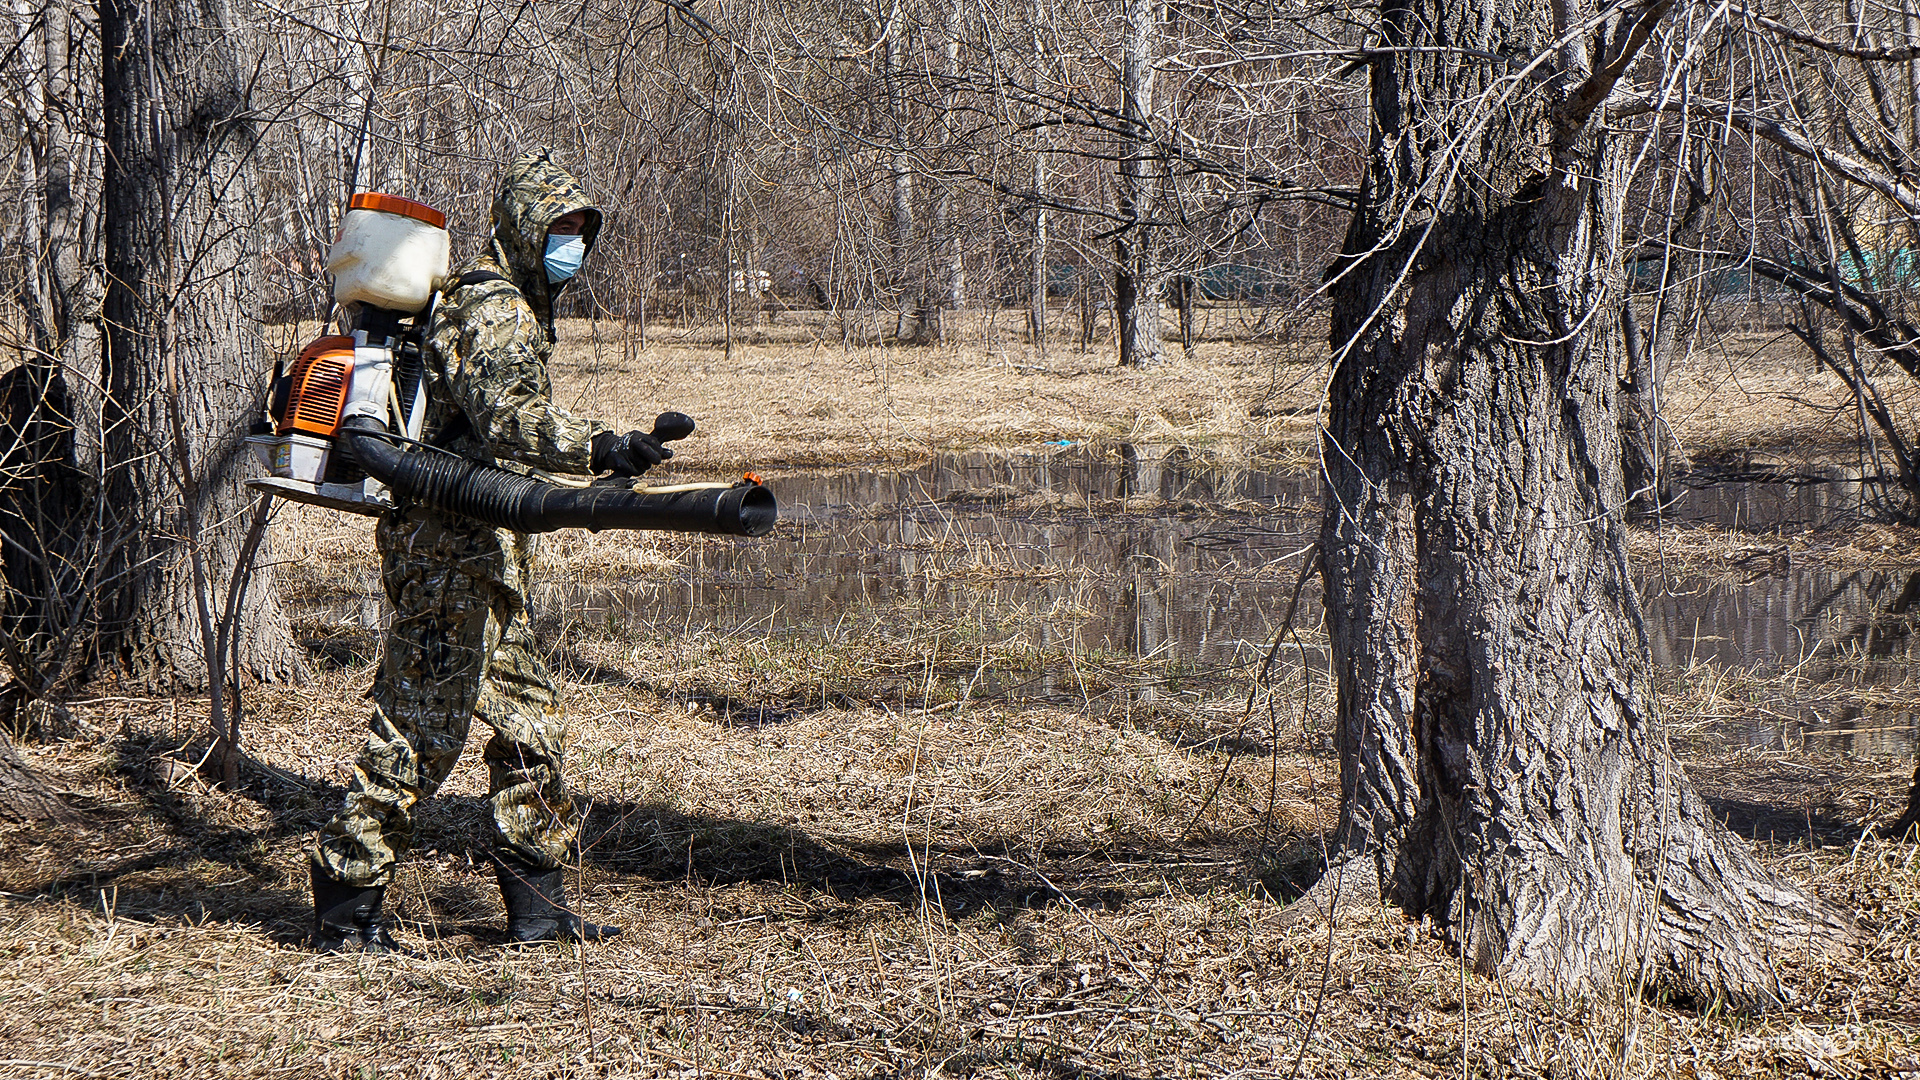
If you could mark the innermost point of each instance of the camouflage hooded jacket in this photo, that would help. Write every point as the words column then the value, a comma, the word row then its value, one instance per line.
column 491, row 341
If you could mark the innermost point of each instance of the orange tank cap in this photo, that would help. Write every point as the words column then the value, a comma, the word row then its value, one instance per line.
column 394, row 204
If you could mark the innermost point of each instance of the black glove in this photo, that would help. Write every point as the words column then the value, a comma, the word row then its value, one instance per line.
column 627, row 455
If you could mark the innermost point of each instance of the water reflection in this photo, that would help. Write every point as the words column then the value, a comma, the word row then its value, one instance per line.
column 1005, row 543
column 1775, row 502
column 1143, row 551
column 1834, row 631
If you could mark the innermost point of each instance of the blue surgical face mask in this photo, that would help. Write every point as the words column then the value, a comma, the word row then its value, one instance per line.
column 564, row 256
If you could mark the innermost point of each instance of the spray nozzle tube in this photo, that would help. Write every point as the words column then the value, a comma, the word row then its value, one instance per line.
column 486, row 493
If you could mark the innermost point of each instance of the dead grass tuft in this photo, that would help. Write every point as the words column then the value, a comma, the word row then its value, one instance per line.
column 1711, row 550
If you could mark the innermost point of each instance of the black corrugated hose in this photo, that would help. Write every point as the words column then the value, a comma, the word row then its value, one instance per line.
column 456, row 485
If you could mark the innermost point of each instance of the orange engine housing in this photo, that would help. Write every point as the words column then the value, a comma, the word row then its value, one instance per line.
column 321, row 378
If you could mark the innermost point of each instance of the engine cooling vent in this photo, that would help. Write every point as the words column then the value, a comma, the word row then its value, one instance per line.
column 321, row 378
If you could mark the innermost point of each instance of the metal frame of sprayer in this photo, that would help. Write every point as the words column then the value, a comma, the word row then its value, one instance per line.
column 378, row 372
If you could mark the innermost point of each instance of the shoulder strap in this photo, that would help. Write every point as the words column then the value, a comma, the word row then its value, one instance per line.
column 481, row 277
column 477, row 277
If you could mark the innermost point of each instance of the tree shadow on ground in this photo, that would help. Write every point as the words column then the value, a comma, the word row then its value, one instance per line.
column 166, row 856
column 1773, row 823
column 1770, row 802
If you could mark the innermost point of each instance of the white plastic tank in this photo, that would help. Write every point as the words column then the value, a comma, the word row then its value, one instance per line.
column 391, row 252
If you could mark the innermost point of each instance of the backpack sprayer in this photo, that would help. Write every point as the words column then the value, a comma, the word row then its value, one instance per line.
column 343, row 425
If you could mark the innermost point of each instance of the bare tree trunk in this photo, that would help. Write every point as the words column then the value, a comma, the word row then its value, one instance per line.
column 1501, row 768
column 900, row 170
column 1043, row 139
column 1651, row 453
column 734, row 279
column 65, row 292
column 182, row 357
column 1136, row 282
column 1037, row 268
column 51, row 403
column 754, row 262
column 945, row 282
column 1182, row 289
column 1092, row 292
column 1640, row 446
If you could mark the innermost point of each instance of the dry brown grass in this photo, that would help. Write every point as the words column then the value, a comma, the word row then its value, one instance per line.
column 869, row 890
column 1866, row 545
column 1756, row 396
column 835, row 855
column 795, row 396
column 791, row 399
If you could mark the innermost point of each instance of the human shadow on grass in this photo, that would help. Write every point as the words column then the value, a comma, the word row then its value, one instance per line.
column 725, row 708
column 657, row 842
column 341, row 648
column 173, row 856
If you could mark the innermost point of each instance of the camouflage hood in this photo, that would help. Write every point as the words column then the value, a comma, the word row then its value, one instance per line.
column 534, row 193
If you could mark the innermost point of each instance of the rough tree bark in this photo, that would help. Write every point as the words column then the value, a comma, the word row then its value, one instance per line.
column 182, row 346
column 1136, row 279
column 1501, row 768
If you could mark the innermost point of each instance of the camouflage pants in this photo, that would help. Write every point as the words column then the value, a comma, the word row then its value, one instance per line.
column 460, row 647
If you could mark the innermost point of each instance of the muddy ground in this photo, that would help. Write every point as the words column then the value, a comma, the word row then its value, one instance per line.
column 837, row 854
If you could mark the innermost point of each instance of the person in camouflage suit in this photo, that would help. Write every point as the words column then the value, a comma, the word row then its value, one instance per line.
column 460, row 645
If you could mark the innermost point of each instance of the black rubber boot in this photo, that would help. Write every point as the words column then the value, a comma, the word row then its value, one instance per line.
column 346, row 918
column 537, row 906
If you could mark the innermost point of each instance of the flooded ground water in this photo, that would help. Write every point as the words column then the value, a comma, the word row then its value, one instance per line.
column 1077, row 553
column 1183, row 570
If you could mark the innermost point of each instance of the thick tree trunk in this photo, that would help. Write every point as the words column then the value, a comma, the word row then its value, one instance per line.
column 1500, row 764
column 182, row 358
column 1136, row 279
